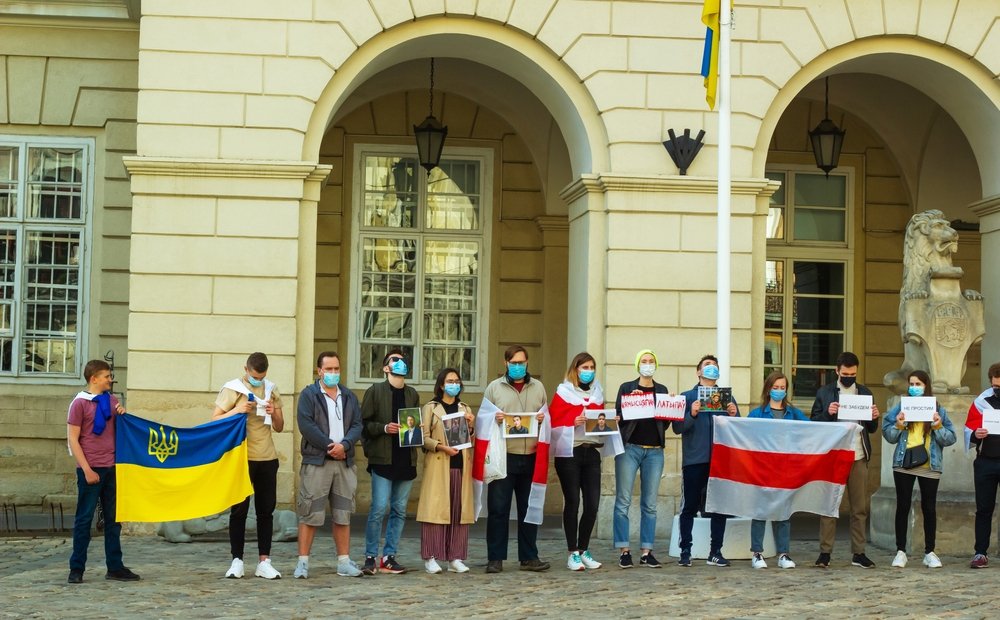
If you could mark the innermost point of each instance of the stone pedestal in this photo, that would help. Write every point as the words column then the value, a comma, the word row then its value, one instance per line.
column 956, row 505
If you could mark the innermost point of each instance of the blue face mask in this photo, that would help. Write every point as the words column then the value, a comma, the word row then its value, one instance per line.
column 915, row 390
column 399, row 368
column 586, row 376
column 778, row 395
column 254, row 382
column 517, row 371
column 331, row 379
column 710, row 372
column 452, row 389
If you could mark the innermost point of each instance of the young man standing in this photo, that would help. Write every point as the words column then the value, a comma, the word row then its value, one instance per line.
column 392, row 467
column 986, row 468
column 825, row 409
column 515, row 392
column 329, row 418
column 696, row 445
column 257, row 398
column 90, row 430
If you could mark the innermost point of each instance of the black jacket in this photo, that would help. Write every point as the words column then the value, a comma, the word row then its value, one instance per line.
column 625, row 427
column 314, row 425
column 830, row 393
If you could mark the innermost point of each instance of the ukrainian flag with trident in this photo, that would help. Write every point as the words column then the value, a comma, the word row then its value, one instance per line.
column 173, row 474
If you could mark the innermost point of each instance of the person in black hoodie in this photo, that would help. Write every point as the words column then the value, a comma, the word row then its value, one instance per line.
column 825, row 409
column 986, row 468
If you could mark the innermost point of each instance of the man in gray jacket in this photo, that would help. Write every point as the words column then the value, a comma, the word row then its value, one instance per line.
column 329, row 419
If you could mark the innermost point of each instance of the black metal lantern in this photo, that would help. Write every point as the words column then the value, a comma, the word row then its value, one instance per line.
column 430, row 134
column 827, row 139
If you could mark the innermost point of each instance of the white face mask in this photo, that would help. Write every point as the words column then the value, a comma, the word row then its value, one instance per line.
column 647, row 370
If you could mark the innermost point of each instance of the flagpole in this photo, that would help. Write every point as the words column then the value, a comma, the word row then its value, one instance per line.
column 723, row 279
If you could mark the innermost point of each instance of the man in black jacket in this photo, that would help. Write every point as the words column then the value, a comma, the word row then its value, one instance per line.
column 329, row 419
column 986, row 468
column 825, row 409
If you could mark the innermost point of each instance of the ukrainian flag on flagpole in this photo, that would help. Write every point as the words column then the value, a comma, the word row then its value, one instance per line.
column 710, row 57
column 165, row 473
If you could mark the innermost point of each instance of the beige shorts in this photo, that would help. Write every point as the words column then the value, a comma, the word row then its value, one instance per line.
column 332, row 483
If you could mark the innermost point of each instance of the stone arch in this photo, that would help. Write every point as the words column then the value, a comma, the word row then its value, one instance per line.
column 968, row 93
column 502, row 48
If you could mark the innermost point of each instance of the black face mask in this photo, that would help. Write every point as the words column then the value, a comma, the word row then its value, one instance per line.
column 847, row 381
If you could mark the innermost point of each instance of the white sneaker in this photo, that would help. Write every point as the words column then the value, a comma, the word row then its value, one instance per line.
column 457, row 566
column 575, row 562
column 301, row 570
column 589, row 561
column 235, row 569
column 757, row 561
column 785, row 562
column 931, row 560
column 432, row 567
column 900, row 560
column 265, row 570
column 348, row 568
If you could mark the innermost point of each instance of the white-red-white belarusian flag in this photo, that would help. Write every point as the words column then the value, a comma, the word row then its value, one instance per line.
column 566, row 407
column 485, row 422
column 974, row 420
column 769, row 469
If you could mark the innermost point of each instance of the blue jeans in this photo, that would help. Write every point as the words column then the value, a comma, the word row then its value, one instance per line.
column 86, row 504
column 387, row 496
column 648, row 463
column 782, row 535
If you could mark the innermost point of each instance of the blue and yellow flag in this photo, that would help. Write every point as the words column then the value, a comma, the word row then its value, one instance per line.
column 710, row 57
column 171, row 474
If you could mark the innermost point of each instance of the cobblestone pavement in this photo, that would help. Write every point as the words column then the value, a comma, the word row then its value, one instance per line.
column 187, row 581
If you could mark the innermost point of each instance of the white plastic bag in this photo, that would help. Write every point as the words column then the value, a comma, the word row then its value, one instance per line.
column 496, row 456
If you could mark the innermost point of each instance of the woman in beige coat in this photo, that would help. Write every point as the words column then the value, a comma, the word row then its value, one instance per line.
column 445, row 508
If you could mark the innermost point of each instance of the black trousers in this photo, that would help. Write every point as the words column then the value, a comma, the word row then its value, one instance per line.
column 264, row 479
column 928, row 503
column 986, row 477
column 580, row 475
column 500, row 493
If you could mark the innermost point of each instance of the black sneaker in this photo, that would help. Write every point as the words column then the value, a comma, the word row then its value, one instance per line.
column 823, row 561
column 862, row 560
column 625, row 561
column 685, row 559
column 494, row 566
column 369, row 568
column 122, row 574
column 535, row 565
column 391, row 566
column 649, row 561
column 716, row 559
column 75, row 576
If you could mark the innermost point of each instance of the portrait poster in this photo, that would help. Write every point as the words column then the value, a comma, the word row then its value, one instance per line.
column 410, row 434
column 601, row 422
column 520, row 425
column 456, row 431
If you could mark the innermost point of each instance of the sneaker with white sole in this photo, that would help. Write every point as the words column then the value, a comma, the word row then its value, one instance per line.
column 757, row 561
column 457, row 566
column 589, row 561
column 266, row 571
column 432, row 567
column 931, row 560
column 900, row 560
column 348, row 568
column 301, row 570
column 235, row 569
column 574, row 562
column 784, row 561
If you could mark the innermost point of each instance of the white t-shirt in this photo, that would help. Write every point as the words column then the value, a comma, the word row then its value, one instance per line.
column 335, row 414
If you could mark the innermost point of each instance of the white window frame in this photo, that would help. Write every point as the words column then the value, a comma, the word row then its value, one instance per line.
column 812, row 251
column 22, row 224
column 484, row 237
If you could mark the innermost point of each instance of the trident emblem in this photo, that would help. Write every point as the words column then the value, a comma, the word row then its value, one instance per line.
column 160, row 447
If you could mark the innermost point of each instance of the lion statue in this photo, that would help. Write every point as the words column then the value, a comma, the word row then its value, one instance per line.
column 928, row 246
